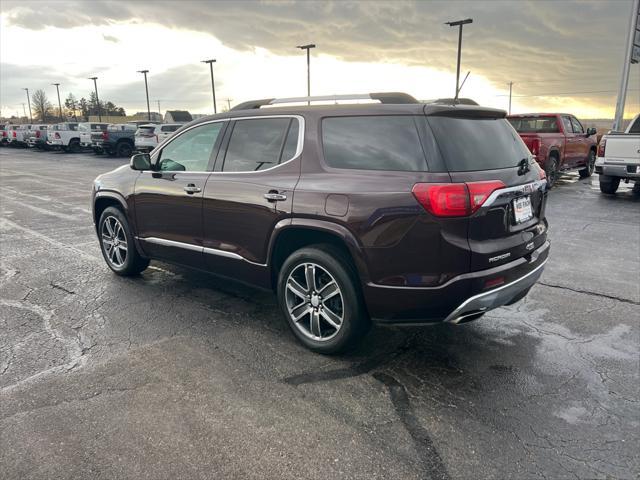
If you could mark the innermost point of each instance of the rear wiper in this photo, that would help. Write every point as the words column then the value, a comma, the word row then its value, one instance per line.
column 523, row 166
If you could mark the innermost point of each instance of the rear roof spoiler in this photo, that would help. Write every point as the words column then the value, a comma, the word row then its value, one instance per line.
column 382, row 97
column 463, row 111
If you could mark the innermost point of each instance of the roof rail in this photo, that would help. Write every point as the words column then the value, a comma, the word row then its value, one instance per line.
column 382, row 97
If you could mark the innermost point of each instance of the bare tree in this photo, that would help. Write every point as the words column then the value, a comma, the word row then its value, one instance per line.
column 41, row 105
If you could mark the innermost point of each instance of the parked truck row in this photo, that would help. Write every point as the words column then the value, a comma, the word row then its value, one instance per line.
column 118, row 139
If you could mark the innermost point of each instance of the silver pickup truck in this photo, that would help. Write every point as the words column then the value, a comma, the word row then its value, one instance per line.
column 619, row 158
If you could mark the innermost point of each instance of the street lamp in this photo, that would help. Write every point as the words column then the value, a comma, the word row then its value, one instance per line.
column 213, row 86
column 308, row 48
column 59, row 104
column 29, row 102
column 459, row 23
column 95, row 85
column 146, row 89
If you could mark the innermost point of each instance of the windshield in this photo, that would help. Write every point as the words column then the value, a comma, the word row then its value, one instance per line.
column 535, row 124
column 469, row 144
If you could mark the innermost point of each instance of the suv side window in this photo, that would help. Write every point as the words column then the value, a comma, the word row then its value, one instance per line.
column 256, row 144
column 373, row 143
column 566, row 123
column 577, row 126
column 635, row 128
column 191, row 151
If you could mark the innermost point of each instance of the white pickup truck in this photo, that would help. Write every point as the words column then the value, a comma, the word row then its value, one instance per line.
column 64, row 136
column 619, row 157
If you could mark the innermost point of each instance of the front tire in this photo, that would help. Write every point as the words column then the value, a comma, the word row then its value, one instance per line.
column 319, row 294
column 587, row 171
column 117, row 244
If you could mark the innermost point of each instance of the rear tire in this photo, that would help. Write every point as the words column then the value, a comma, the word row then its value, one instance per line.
column 117, row 244
column 551, row 170
column 326, row 325
column 124, row 149
column 590, row 167
column 609, row 185
column 74, row 146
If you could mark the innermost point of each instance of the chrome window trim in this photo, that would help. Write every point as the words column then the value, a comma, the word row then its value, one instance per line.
column 197, row 248
column 299, row 146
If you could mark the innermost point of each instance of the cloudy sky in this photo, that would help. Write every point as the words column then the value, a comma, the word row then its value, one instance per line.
column 560, row 55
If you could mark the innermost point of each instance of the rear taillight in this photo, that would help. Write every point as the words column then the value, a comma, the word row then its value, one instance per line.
column 57, row 135
column 454, row 199
column 37, row 133
column 602, row 147
column 14, row 134
column 535, row 146
column 105, row 136
column 542, row 175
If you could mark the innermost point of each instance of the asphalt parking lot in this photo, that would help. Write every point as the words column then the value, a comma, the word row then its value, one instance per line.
column 178, row 374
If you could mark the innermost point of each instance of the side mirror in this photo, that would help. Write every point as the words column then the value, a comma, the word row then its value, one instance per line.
column 141, row 161
column 591, row 131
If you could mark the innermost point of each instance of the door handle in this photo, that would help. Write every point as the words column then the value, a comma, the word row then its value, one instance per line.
column 191, row 188
column 275, row 196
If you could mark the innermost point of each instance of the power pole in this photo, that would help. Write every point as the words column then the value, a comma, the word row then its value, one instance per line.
column 229, row 103
column 634, row 26
column 213, row 85
column 59, row 104
column 510, row 89
column 95, row 86
column 146, row 89
column 24, row 111
column 159, row 111
column 29, row 103
column 308, row 48
column 459, row 23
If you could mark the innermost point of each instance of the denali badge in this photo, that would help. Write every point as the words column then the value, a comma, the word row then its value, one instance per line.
column 499, row 257
column 529, row 246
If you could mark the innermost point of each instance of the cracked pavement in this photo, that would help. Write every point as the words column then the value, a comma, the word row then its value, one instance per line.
column 178, row 374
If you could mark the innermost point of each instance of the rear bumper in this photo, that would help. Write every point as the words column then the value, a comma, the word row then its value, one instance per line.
column 464, row 296
column 622, row 170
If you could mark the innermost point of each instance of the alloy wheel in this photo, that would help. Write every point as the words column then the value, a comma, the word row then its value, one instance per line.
column 314, row 301
column 114, row 241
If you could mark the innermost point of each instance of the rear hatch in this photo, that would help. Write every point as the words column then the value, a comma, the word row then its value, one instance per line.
column 506, row 190
column 145, row 136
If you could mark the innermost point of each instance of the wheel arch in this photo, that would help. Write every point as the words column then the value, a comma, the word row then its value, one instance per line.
column 103, row 200
column 299, row 233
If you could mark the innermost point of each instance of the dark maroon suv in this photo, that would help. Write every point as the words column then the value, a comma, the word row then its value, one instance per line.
column 398, row 212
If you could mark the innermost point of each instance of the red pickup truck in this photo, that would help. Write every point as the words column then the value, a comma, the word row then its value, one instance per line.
column 558, row 141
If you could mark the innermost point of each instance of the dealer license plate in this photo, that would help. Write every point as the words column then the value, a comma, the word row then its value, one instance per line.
column 522, row 209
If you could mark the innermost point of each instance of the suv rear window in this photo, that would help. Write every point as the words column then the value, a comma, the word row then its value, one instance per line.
column 388, row 142
column 169, row 128
column 469, row 144
column 535, row 124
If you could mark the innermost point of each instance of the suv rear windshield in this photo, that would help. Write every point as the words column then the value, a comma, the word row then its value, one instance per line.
column 388, row 142
column 535, row 124
column 469, row 144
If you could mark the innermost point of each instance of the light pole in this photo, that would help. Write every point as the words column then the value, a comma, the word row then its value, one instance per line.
column 29, row 103
column 95, row 86
column 510, row 90
column 59, row 104
column 146, row 89
column 213, row 85
column 308, row 48
column 459, row 23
